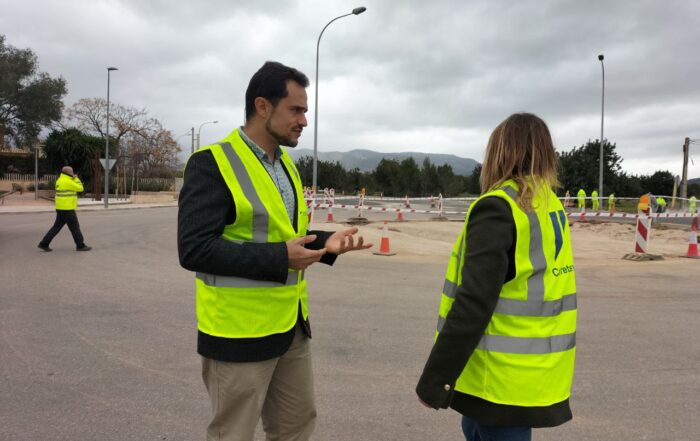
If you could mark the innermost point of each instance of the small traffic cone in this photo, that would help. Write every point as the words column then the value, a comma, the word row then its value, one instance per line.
column 384, row 244
column 399, row 215
column 693, row 240
column 582, row 216
column 329, row 217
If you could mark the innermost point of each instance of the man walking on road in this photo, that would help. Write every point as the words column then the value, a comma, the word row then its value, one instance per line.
column 242, row 226
column 68, row 186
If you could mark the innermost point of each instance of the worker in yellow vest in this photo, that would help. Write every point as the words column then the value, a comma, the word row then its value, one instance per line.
column 611, row 202
column 661, row 202
column 581, row 195
column 242, row 226
column 68, row 185
column 692, row 205
column 595, row 201
column 506, row 335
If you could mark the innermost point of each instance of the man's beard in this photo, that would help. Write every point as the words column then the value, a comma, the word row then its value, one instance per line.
column 281, row 139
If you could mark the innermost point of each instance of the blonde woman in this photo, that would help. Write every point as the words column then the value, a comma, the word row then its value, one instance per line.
column 505, row 346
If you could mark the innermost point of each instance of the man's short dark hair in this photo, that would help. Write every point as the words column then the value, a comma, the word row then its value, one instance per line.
column 270, row 82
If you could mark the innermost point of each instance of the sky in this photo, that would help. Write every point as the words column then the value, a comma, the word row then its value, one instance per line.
column 431, row 76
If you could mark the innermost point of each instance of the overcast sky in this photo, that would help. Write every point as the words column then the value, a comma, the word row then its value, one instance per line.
column 430, row 76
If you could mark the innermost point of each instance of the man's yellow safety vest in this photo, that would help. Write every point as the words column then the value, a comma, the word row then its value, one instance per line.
column 67, row 189
column 237, row 307
column 526, row 355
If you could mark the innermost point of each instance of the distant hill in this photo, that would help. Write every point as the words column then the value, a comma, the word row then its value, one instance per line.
column 694, row 181
column 367, row 160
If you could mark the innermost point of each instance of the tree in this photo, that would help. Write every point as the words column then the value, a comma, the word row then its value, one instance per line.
column 29, row 100
column 72, row 147
column 385, row 175
column 409, row 177
column 428, row 178
column 474, row 181
column 580, row 168
column 659, row 183
column 90, row 116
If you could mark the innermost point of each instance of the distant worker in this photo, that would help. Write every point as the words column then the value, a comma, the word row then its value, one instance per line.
column 692, row 205
column 581, row 199
column 611, row 202
column 661, row 204
column 595, row 200
column 567, row 199
column 68, row 186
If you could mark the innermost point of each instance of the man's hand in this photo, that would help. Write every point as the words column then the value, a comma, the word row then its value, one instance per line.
column 343, row 241
column 299, row 257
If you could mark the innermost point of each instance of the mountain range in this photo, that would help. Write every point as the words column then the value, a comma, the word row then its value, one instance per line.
column 367, row 160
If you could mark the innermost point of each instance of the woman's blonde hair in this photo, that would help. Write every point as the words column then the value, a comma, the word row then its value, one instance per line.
column 521, row 149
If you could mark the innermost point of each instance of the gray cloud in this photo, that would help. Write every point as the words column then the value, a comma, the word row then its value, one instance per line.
column 413, row 75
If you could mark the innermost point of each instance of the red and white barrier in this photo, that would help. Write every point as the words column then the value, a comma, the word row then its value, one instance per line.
column 693, row 240
column 643, row 233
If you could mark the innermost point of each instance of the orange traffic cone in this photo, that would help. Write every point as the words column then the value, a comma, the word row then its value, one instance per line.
column 399, row 216
column 329, row 217
column 384, row 244
column 692, row 240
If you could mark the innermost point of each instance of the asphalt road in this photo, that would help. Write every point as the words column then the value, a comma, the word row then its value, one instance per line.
column 101, row 345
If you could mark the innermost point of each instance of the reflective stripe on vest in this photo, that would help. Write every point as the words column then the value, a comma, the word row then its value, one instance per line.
column 260, row 220
column 242, row 282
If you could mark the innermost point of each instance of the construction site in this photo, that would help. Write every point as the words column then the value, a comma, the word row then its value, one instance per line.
column 102, row 345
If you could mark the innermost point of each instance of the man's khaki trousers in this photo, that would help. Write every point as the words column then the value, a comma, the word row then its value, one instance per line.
column 279, row 390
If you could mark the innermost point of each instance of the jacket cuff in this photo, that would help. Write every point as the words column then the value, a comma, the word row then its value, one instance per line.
column 434, row 393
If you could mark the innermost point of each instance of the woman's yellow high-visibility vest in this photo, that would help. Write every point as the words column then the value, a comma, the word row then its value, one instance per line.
column 67, row 189
column 526, row 355
column 236, row 307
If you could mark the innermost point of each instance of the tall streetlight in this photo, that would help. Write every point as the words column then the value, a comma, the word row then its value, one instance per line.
column 200, row 130
column 356, row 11
column 602, row 113
column 106, row 205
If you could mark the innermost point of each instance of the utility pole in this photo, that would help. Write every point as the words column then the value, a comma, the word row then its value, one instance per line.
column 192, row 135
column 684, row 178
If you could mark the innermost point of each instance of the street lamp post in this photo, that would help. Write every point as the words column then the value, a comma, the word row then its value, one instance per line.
column 106, row 196
column 602, row 113
column 356, row 11
column 200, row 130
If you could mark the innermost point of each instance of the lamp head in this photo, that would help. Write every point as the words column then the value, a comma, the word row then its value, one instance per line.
column 111, row 68
column 358, row 11
column 600, row 57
